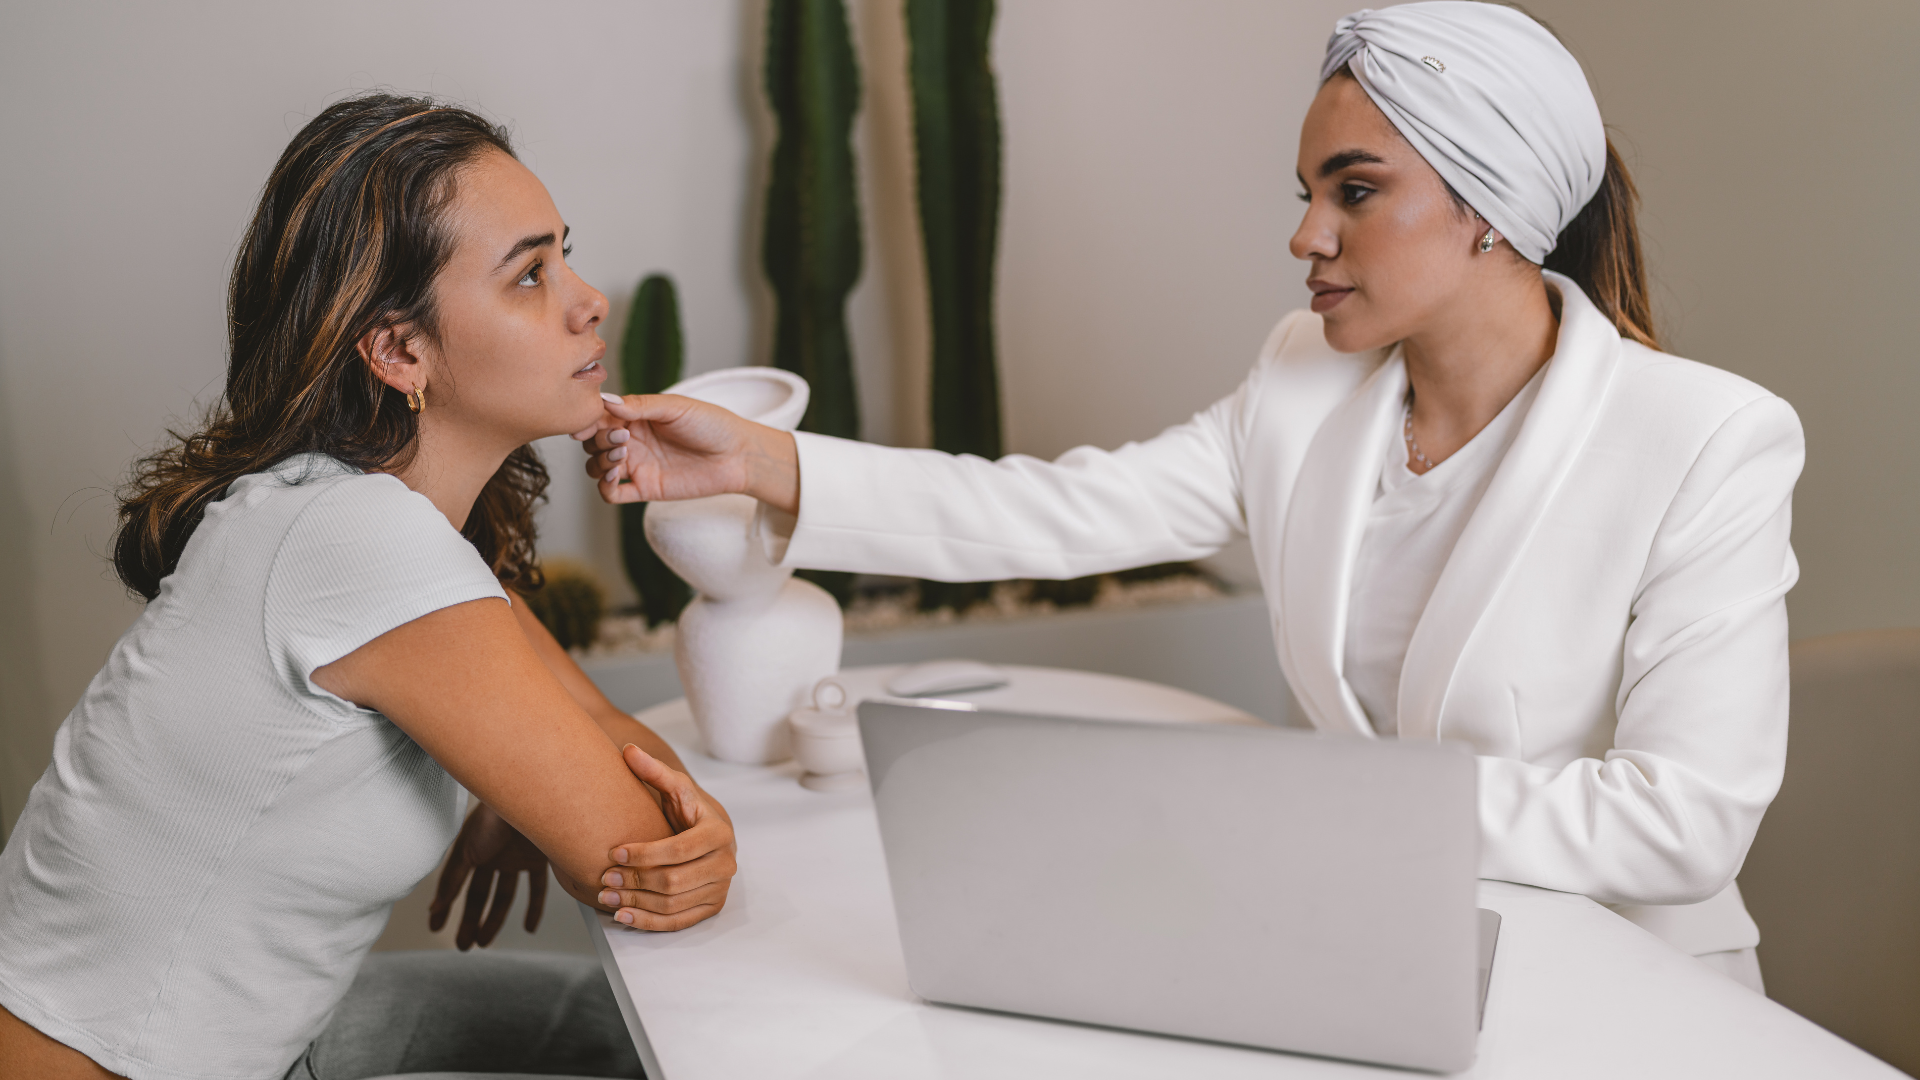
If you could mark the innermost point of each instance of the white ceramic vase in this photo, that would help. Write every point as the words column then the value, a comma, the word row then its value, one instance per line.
column 755, row 639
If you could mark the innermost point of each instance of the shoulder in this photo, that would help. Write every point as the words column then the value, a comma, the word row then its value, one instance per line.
column 1674, row 394
column 347, row 525
column 364, row 554
column 1689, row 382
column 376, row 503
column 320, row 496
column 263, row 511
column 290, row 488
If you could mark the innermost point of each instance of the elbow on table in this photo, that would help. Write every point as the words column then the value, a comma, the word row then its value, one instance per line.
column 1631, row 829
column 583, row 858
column 1668, row 874
column 1620, row 862
column 1693, row 885
column 1664, row 882
column 1692, row 850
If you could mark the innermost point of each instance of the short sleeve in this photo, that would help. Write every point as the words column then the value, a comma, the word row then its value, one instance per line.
column 364, row 556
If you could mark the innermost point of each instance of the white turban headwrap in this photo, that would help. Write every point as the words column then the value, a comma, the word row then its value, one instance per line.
column 1491, row 100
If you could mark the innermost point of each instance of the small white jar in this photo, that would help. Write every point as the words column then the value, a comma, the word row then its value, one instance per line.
column 826, row 740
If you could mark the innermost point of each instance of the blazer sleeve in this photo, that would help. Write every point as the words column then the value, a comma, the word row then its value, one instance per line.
column 921, row 513
column 1667, row 816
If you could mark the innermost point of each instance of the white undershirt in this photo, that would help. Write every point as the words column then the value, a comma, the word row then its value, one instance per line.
column 1411, row 530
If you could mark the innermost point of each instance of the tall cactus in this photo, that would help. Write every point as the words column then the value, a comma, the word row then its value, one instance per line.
column 652, row 353
column 956, row 139
column 811, row 250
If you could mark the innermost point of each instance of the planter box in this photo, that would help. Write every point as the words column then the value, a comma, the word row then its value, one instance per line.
column 1221, row 648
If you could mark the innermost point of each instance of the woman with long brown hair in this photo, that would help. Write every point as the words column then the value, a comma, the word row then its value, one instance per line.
column 274, row 752
column 1484, row 506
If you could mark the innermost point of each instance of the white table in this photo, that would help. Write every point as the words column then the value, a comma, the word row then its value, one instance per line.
column 802, row 977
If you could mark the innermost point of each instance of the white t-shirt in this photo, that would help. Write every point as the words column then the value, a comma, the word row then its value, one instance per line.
column 218, row 842
column 1411, row 529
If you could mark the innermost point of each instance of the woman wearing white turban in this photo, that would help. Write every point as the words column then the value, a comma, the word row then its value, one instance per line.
column 1485, row 507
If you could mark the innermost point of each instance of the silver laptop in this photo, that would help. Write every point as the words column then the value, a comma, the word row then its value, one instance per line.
column 1273, row 888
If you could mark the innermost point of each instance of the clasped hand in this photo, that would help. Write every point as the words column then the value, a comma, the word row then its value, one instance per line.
column 666, row 884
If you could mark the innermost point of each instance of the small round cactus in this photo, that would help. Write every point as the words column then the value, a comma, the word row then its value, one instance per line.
column 570, row 604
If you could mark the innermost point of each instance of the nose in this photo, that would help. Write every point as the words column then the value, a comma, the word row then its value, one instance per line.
column 1315, row 238
column 588, row 309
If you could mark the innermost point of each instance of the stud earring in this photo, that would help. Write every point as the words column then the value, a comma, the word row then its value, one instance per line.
column 416, row 399
column 1486, row 245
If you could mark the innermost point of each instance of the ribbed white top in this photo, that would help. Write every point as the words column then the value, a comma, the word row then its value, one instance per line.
column 217, row 841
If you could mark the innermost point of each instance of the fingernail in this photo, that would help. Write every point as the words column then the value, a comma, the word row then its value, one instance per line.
column 611, row 878
column 617, row 436
column 610, row 898
column 623, row 915
column 618, row 453
column 612, row 398
column 620, row 855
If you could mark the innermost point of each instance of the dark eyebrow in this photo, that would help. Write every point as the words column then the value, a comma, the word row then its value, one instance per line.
column 1348, row 157
column 529, row 243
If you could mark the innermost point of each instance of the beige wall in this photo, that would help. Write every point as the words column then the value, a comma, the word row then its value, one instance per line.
column 1150, row 154
column 1777, row 147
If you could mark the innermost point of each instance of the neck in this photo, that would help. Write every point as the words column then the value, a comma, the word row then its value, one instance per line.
column 1466, row 366
column 450, row 466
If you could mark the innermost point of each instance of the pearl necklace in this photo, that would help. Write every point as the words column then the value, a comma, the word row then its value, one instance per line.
column 1412, row 446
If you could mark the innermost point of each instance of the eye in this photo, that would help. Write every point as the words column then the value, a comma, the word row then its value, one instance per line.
column 567, row 252
column 1354, row 194
column 531, row 278
column 1303, row 196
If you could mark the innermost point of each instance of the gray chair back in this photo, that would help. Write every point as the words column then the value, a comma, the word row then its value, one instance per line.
column 1834, row 875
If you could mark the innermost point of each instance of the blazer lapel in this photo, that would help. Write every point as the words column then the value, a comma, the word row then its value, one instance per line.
column 1325, row 520
column 1543, row 453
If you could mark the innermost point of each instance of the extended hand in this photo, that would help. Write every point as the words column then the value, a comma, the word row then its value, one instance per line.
column 489, row 849
column 652, row 447
column 673, row 883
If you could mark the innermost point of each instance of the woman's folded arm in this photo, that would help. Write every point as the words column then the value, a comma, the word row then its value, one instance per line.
column 466, row 684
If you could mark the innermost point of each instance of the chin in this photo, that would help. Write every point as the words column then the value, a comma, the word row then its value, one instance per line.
column 584, row 416
column 1354, row 328
column 559, row 417
column 1348, row 335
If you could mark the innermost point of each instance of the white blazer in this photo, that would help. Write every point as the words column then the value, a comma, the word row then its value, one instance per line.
column 1609, row 635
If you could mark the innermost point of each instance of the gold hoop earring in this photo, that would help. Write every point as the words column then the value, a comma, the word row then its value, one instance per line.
column 1486, row 245
column 416, row 399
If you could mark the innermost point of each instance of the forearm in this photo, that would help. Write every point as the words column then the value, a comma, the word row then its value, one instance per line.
column 624, row 729
column 464, row 685
column 1631, row 829
column 618, row 726
column 919, row 513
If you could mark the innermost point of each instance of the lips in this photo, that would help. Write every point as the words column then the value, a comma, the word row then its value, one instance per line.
column 1327, row 295
column 592, row 371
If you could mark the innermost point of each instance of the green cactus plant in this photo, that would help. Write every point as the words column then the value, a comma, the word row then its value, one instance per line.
column 811, row 248
column 569, row 604
column 652, row 353
column 956, row 138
